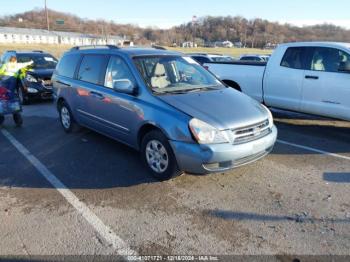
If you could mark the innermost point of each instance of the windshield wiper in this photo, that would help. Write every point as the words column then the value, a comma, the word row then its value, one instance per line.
column 188, row 90
column 211, row 87
column 171, row 92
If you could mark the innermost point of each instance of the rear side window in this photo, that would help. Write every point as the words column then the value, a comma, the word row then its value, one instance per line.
column 92, row 69
column 293, row 58
column 327, row 59
column 67, row 65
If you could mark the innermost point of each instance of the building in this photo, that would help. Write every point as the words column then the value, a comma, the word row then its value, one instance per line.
column 12, row 35
column 189, row 44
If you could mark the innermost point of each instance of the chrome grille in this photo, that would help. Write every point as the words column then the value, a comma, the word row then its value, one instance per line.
column 251, row 133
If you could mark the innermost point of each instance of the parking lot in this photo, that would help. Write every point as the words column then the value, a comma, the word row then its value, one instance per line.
column 85, row 194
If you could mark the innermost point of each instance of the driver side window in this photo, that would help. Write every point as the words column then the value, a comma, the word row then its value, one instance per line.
column 117, row 70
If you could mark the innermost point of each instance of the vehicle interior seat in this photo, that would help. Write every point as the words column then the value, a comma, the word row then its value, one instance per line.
column 317, row 63
column 160, row 79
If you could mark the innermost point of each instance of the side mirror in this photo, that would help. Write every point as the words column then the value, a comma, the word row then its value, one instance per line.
column 124, row 86
column 344, row 67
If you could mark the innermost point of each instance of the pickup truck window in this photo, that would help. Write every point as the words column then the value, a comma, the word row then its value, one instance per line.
column 327, row 59
column 175, row 74
column 293, row 58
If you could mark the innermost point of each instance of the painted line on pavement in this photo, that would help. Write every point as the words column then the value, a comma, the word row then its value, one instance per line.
column 105, row 231
column 313, row 149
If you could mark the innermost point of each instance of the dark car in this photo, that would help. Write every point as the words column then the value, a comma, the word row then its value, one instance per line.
column 203, row 58
column 37, row 82
column 255, row 58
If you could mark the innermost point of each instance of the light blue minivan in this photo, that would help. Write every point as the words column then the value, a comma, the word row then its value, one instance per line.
column 177, row 114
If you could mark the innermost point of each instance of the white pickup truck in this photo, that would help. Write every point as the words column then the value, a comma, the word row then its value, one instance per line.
column 311, row 77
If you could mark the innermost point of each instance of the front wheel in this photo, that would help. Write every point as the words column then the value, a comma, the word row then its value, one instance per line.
column 22, row 97
column 157, row 155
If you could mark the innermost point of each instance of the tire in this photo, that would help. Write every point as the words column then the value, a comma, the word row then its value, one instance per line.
column 17, row 117
column 158, row 156
column 2, row 119
column 22, row 97
column 66, row 118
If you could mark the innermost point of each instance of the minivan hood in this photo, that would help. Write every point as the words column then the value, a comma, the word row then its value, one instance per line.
column 223, row 109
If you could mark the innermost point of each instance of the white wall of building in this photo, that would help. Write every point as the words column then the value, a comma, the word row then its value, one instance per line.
column 33, row 36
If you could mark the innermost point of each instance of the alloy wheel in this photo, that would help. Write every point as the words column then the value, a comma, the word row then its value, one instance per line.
column 157, row 156
column 65, row 117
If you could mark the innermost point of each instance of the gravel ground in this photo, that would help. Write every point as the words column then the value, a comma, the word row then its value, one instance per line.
column 292, row 203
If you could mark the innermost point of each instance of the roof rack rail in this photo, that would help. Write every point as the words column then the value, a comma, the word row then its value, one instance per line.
column 93, row 47
column 38, row 51
column 158, row 47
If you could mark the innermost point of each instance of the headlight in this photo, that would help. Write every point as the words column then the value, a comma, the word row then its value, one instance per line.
column 270, row 116
column 32, row 90
column 31, row 78
column 207, row 134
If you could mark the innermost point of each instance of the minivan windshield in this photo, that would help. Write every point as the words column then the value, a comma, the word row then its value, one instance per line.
column 40, row 61
column 175, row 74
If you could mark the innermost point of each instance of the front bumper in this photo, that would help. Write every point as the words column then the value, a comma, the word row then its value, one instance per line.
column 44, row 92
column 204, row 159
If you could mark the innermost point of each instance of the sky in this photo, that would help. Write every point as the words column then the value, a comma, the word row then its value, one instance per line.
column 168, row 13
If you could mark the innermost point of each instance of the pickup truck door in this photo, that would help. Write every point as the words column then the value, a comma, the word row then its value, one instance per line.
column 326, row 91
column 283, row 80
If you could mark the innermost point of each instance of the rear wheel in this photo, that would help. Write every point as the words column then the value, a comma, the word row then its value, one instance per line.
column 17, row 117
column 157, row 155
column 66, row 118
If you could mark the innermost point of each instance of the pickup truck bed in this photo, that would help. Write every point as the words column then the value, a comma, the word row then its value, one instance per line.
column 309, row 77
column 247, row 76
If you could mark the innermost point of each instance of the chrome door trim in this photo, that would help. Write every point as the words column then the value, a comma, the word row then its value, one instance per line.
column 103, row 120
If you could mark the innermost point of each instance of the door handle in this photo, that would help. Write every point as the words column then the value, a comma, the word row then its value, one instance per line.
column 97, row 95
column 312, row 77
column 65, row 84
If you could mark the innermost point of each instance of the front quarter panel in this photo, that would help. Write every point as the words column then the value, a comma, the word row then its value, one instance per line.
column 173, row 123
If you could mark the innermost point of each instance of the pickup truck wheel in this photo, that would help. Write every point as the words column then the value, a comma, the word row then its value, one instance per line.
column 66, row 118
column 157, row 155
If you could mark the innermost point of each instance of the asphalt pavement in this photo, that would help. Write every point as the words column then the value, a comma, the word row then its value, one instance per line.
column 85, row 194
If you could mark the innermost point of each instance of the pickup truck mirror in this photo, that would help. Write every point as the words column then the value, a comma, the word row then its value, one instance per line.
column 124, row 86
column 344, row 67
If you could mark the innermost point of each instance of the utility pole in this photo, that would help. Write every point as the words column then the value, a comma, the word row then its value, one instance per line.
column 194, row 23
column 47, row 17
